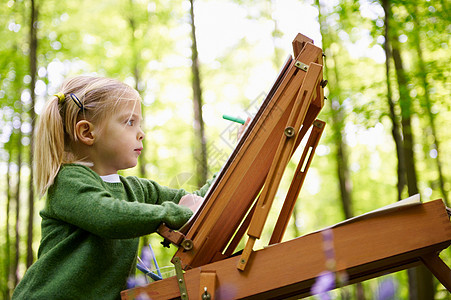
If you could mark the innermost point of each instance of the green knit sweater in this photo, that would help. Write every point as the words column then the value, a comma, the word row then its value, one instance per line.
column 90, row 231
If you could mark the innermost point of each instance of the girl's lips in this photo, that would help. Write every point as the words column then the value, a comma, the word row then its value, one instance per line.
column 139, row 150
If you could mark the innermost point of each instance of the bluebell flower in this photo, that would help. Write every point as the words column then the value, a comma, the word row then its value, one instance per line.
column 134, row 281
column 324, row 283
column 146, row 257
column 131, row 282
column 328, row 244
column 142, row 296
column 386, row 289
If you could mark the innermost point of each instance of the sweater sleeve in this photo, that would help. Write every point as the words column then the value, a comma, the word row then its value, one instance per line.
column 79, row 198
column 158, row 194
column 204, row 189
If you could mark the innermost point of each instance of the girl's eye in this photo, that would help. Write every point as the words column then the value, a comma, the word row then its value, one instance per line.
column 130, row 122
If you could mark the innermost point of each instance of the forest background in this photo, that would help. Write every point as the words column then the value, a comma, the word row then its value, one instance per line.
column 387, row 107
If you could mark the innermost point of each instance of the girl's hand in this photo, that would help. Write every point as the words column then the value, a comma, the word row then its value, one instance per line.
column 243, row 127
column 191, row 201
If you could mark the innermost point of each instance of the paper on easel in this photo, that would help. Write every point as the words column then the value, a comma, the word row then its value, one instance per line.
column 411, row 201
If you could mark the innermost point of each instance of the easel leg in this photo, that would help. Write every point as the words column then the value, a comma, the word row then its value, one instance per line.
column 247, row 251
column 296, row 183
column 440, row 270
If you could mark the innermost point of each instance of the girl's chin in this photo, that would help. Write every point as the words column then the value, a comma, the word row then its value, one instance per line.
column 129, row 166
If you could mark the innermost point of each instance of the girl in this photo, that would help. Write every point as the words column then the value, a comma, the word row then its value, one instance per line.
column 93, row 217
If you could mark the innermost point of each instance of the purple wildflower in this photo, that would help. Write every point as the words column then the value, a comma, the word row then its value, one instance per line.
column 134, row 281
column 227, row 291
column 324, row 283
column 328, row 248
column 146, row 257
column 386, row 289
column 131, row 282
column 142, row 296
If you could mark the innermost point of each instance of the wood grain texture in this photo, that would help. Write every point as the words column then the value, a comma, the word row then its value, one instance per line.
column 363, row 249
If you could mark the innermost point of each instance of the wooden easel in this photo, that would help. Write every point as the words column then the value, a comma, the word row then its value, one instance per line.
column 242, row 195
column 284, row 118
column 364, row 249
column 283, row 154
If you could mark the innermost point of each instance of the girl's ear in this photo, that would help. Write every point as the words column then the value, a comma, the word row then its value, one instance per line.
column 85, row 132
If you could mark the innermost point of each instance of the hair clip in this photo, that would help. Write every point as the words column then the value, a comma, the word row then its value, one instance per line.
column 61, row 97
column 77, row 101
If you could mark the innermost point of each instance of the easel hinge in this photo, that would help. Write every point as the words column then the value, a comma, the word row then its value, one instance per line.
column 301, row 65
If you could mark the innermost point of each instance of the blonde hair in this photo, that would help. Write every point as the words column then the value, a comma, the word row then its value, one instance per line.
column 55, row 133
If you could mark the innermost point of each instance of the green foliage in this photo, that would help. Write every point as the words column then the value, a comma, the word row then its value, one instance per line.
column 126, row 38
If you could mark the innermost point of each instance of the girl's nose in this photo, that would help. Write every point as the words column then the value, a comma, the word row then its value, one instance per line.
column 141, row 135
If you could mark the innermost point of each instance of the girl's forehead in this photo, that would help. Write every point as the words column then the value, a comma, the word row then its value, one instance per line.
column 129, row 105
column 128, row 109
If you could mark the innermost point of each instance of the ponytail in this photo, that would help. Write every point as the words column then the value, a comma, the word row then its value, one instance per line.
column 48, row 146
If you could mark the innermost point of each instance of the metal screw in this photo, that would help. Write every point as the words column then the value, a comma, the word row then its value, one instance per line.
column 289, row 131
column 187, row 244
column 206, row 295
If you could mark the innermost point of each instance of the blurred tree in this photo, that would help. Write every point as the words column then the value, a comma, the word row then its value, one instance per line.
column 337, row 111
column 8, row 271
column 332, row 73
column 396, row 131
column 200, row 143
column 33, row 67
column 135, row 66
column 18, row 122
column 420, row 278
column 422, row 75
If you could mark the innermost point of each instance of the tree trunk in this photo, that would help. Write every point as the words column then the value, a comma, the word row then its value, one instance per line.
column 396, row 132
column 338, row 121
column 144, row 240
column 406, row 122
column 137, row 77
column 8, row 269
column 33, row 67
column 200, row 149
column 427, row 102
column 294, row 215
column 343, row 168
column 344, row 180
column 17, row 198
column 420, row 278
